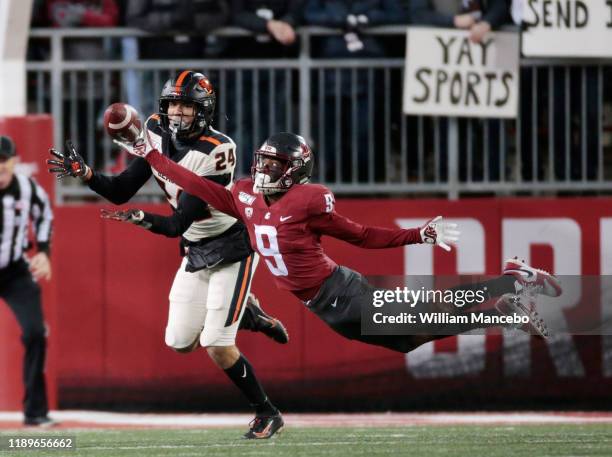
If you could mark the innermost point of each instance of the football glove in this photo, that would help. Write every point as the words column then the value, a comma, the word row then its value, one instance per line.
column 138, row 148
column 70, row 163
column 141, row 147
column 133, row 216
column 438, row 232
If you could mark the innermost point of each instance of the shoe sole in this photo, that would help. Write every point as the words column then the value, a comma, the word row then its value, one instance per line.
column 275, row 323
column 273, row 435
column 535, row 322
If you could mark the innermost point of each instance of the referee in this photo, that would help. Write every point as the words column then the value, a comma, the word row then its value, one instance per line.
column 22, row 200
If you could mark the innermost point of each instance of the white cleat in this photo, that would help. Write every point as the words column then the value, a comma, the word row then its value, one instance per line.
column 532, row 280
column 523, row 305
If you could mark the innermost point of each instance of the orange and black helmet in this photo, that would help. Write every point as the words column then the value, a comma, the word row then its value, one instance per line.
column 188, row 87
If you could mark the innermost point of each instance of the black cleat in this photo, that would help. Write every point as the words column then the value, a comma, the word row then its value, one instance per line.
column 256, row 320
column 40, row 421
column 264, row 427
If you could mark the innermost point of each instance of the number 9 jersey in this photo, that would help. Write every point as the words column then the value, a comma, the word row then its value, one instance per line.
column 287, row 233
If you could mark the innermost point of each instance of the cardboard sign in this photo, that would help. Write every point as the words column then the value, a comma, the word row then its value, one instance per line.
column 567, row 28
column 448, row 75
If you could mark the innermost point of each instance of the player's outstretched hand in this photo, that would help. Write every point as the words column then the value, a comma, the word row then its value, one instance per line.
column 134, row 216
column 69, row 163
column 436, row 231
column 141, row 147
column 138, row 148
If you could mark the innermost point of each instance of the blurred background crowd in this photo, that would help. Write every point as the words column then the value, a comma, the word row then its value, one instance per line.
column 254, row 51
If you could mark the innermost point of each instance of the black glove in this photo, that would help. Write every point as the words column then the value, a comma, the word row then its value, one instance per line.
column 133, row 216
column 70, row 163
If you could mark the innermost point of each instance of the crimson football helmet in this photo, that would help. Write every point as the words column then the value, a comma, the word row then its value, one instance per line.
column 188, row 87
column 293, row 163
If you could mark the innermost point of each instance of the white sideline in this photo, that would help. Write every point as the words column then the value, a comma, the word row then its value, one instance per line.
column 316, row 420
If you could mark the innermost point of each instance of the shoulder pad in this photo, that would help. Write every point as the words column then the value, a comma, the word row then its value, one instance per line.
column 207, row 143
column 216, row 138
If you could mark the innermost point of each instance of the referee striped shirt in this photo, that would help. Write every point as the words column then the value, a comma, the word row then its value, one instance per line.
column 23, row 200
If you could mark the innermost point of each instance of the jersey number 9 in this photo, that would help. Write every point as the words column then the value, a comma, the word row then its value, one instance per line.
column 276, row 265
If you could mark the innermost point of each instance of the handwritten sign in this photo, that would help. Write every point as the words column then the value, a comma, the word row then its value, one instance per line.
column 448, row 75
column 567, row 28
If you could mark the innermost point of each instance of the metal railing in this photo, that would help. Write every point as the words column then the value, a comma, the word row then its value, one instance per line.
column 350, row 109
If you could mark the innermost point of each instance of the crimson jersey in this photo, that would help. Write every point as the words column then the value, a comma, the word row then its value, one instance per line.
column 287, row 233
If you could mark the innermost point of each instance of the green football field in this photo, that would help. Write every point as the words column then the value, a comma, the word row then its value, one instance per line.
column 430, row 441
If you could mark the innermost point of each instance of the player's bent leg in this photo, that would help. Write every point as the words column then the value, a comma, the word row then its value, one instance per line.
column 256, row 319
column 187, row 310
column 341, row 298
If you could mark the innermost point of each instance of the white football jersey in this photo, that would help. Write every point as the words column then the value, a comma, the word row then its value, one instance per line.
column 212, row 155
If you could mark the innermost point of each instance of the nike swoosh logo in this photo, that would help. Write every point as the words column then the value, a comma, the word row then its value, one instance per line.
column 244, row 374
column 525, row 273
column 335, row 302
column 283, row 219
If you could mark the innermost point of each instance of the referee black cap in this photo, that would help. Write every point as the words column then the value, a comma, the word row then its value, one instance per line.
column 7, row 147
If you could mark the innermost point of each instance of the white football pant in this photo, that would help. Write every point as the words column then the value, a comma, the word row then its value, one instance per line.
column 208, row 304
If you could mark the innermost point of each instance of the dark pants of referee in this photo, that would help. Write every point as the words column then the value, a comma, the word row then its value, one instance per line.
column 19, row 290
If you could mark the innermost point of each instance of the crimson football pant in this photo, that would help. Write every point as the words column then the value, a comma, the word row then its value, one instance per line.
column 19, row 290
column 342, row 296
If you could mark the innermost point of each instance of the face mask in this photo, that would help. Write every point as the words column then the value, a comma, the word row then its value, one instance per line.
column 178, row 123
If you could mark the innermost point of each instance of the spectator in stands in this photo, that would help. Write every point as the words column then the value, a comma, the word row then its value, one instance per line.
column 181, row 18
column 477, row 16
column 180, row 30
column 347, row 114
column 83, row 13
column 575, row 157
column 263, row 95
column 72, row 14
column 271, row 20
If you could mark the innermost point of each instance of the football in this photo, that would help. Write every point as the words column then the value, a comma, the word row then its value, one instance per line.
column 122, row 122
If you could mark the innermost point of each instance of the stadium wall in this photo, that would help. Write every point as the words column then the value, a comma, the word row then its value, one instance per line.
column 113, row 281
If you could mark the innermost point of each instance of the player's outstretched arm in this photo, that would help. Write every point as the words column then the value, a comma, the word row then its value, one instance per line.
column 214, row 194
column 343, row 228
column 116, row 189
column 189, row 210
column 326, row 221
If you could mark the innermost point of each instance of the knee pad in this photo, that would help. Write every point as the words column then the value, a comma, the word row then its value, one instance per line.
column 182, row 347
column 187, row 349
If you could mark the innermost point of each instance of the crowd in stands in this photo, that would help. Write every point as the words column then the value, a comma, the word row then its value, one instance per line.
column 273, row 22
column 180, row 29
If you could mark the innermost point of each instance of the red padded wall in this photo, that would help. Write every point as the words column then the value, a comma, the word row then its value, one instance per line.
column 114, row 281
